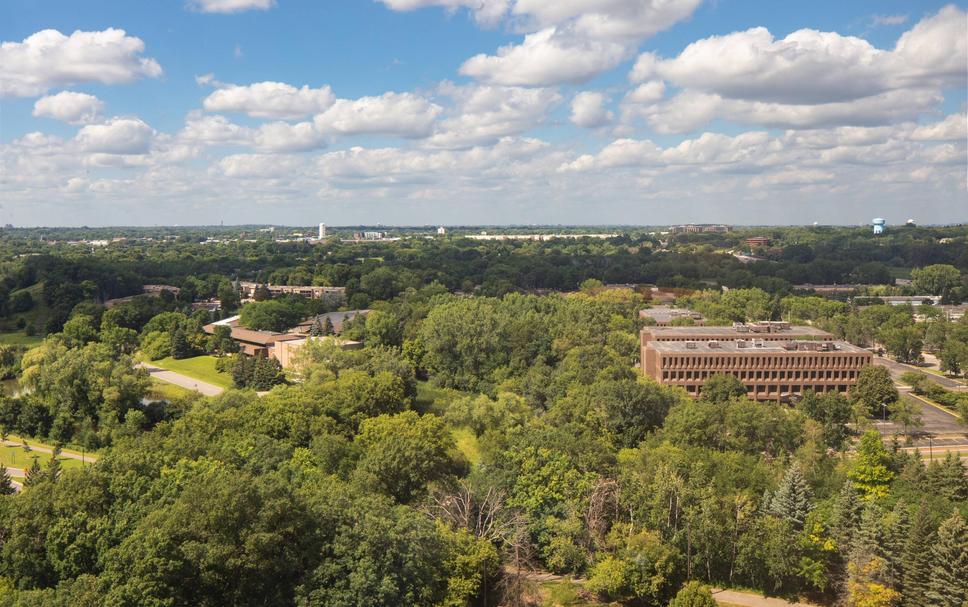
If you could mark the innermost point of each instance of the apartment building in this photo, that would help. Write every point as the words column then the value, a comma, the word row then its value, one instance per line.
column 337, row 294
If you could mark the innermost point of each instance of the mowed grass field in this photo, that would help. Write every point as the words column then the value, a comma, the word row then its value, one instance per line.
column 161, row 390
column 201, row 368
column 16, row 457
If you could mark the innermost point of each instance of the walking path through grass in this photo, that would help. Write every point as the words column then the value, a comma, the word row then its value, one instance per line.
column 197, row 374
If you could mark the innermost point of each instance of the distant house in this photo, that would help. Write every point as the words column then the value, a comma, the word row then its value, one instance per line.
column 337, row 319
column 335, row 294
column 282, row 346
column 251, row 343
column 758, row 241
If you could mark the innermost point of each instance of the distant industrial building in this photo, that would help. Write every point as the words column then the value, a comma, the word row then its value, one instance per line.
column 911, row 300
column 693, row 228
column 665, row 315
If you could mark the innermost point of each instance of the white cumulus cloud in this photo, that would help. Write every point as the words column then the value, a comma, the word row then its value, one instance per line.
column 69, row 107
column 269, row 100
column 116, row 136
column 588, row 110
column 50, row 59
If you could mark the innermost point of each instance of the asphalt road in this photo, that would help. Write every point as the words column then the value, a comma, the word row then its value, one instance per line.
column 897, row 369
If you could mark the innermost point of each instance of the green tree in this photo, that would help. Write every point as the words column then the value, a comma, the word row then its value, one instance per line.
column 874, row 390
column 948, row 586
column 6, row 483
column 721, row 388
column 383, row 328
column 694, row 594
column 271, row 315
column 792, row 500
column 937, row 279
column 34, row 474
column 871, row 471
column 180, row 347
column 916, row 558
column 402, row 453
column 80, row 331
column 833, row 412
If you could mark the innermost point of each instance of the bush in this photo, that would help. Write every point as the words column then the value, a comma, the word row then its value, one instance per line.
column 694, row 594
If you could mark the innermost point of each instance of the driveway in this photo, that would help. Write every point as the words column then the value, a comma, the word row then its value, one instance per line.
column 189, row 383
column 896, row 369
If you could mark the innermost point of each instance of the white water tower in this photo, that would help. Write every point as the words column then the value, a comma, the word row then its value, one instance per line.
column 878, row 224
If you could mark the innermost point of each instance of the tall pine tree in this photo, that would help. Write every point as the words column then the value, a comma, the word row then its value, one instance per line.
column 949, row 568
column 792, row 499
column 916, row 559
column 6, row 483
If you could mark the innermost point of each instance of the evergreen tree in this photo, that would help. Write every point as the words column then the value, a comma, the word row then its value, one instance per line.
column 869, row 540
column 34, row 474
column 947, row 478
column 179, row 345
column 52, row 471
column 895, row 537
column 916, row 559
column 6, row 483
column 317, row 328
column 846, row 517
column 949, row 568
column 328, row 328
column 262, row 293
column 792, row 499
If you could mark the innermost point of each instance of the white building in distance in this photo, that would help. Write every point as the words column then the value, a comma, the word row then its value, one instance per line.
column 322, row 231
column 441, row 231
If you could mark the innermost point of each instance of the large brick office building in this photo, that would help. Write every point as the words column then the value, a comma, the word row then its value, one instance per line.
column 775, row 363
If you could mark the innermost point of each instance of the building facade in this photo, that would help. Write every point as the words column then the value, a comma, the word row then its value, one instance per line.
column 774, row 360
column 336, row 294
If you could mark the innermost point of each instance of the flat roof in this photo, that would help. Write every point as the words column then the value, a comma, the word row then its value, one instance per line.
column 793, row 331
column 772, row 347
column 668, row 313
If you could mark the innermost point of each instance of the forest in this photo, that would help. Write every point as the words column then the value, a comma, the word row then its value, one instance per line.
column 493, row 425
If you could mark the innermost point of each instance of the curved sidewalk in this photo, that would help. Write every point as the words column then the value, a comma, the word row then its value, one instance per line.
column 183, row 381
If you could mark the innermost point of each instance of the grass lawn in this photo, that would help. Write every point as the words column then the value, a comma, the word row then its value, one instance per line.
column 161, row 390
column 201, row 368
column 565, row 594
column 19, row 339
column 16, row 457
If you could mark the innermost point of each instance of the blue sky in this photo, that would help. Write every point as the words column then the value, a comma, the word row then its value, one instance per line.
column 471, row 111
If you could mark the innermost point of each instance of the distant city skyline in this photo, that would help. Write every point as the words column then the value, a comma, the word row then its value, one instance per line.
column 482, row 112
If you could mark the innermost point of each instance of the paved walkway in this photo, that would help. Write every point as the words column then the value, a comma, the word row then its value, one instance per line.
column 748, row 599
column 189, row 383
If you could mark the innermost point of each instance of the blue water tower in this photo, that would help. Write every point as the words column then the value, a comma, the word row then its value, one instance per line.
column 878, row 225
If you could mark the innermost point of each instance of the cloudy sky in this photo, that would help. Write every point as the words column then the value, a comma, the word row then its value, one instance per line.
column 482, row 111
